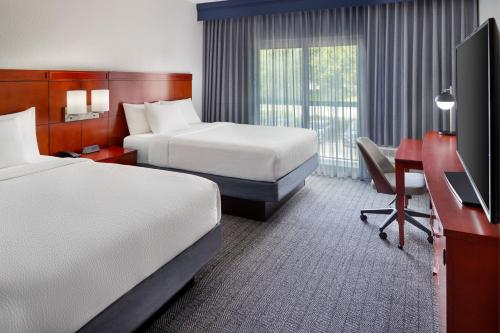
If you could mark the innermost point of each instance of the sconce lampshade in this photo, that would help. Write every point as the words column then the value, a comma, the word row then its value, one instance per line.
column 100, row 100
column 76, row 102
column 445, row 100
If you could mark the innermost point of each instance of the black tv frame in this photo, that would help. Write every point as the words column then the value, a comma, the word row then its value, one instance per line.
column 492, row 213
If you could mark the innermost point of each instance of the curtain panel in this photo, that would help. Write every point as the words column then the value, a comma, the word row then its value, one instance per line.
column 345, row 72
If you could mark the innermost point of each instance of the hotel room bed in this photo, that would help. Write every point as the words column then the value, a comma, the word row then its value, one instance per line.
column 258, row 153
column 98, row 247
column 258, row 164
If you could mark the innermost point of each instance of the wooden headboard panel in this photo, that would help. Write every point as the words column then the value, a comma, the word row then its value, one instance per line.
column 139, row 88
column 46, row 90
column 20, row 90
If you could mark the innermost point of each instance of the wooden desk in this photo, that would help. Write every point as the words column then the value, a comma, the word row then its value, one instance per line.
column 408, row 156
column 466, row 248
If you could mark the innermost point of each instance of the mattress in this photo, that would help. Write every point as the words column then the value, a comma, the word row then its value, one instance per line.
column 76, row 235
column 250, row 152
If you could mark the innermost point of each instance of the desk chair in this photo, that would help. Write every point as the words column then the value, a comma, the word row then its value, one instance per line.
column 383, row 174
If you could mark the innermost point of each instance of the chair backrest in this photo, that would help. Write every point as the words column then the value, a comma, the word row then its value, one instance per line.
column 378, row 164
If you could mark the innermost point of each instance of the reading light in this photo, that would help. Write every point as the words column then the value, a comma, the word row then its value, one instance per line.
column 76, row 106
column 446, row 101
column 100, row 100
column 76, row 102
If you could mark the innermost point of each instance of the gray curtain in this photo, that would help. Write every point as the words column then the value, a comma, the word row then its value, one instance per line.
column 347, row 72
column 228, row 70
column 410, row 58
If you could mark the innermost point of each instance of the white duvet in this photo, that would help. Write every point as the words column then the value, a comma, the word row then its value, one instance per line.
column 252, row 152
column 76, row 235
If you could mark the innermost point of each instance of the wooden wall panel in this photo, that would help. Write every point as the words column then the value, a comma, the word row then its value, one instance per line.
column 182, row 90
column 42, row 136
column 11, row 75
column 65, row 136
column 19, row 96
column 137, row 92
column 77, row 75
column 117, row 130
column 139, row 76
column 95, row 131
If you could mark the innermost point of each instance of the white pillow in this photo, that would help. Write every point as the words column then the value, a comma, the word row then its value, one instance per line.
column 187, row 108
column 165, row 118
column 13, row 150
column 27, row 123
column 135, row 115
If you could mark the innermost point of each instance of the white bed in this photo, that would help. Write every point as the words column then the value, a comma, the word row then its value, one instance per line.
column 76, row 235
column 257, row 153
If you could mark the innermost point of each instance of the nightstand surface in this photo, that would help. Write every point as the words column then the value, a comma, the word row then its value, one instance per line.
column 118, row 155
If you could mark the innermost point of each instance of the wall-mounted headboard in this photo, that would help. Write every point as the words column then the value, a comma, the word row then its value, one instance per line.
column 46, row 90
column 140, row 88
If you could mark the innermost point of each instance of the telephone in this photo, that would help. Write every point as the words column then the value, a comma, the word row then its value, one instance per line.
column 68, row 154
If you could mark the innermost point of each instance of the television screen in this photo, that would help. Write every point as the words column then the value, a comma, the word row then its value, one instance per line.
column 474, row 102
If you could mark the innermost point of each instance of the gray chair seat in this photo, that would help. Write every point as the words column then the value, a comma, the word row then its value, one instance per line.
column 414, row 183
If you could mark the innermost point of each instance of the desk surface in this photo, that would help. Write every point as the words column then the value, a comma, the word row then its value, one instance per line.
column 439, row 155
column 409, row 150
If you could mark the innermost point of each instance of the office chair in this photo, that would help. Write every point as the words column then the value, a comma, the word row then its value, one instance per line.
column 383, row 174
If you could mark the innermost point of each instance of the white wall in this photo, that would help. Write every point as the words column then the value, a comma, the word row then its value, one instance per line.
column 124, row 35
column 489, row 8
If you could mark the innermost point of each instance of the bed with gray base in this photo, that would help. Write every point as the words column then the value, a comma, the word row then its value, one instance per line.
column 257, row 200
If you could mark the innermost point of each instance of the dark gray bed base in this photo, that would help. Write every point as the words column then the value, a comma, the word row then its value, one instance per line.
column 256, row 199
column 134, row 308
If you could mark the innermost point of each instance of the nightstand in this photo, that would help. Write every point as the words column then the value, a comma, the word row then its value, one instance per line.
column 118, row 155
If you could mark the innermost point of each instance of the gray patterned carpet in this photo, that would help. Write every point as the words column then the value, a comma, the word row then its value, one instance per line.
column 315, row 267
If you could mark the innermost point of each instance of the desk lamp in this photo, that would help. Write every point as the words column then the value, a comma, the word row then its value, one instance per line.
column 445, row 101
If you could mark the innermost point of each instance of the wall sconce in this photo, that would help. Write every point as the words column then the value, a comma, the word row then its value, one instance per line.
column 76, row 104
column 100, row 100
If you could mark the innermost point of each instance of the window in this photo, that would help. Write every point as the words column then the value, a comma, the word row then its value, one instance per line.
column 314, row 87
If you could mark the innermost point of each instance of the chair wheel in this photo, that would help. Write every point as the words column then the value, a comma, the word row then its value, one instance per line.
column 400, row 247
column 430, row 239
column 382, row 235
column 363, row 217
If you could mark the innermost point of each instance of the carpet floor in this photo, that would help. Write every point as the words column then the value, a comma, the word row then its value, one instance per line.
column 314, row 267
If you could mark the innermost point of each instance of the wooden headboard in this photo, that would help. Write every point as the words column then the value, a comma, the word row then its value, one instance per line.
column 140, row 88
column 46, row 90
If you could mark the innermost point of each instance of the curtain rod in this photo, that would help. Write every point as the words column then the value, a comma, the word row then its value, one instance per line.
column 238, row 8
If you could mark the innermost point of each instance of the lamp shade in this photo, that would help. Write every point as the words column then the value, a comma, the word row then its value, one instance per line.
column 100, row 100
column 445, row 100
column 76, row 102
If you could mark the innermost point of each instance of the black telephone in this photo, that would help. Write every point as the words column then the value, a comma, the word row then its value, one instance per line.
column 68, row 154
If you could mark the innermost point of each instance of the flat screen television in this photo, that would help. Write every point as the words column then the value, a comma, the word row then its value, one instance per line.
column 477, row 93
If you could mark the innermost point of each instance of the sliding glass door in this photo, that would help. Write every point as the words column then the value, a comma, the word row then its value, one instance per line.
column 316, row 87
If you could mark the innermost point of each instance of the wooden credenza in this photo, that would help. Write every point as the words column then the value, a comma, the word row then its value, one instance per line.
column 466, row 248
